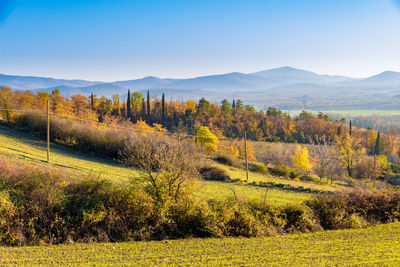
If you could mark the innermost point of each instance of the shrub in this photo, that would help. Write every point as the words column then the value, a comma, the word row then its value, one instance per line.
column 356, row 208
column 308, row 178
column 227, row 160
column 280, row 170
column 258, row 167
column 214, row 174
column 299, row 218
column 284, row 171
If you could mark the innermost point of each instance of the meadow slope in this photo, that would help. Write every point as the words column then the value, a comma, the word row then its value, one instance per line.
column 377, row 245
column 18, row 145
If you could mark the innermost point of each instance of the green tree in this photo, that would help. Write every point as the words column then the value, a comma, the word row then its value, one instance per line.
column 225, row 106
column 143, row 109
column 203, row 107
column 163, row 107
column 239, row 104
column 148, row 103
column 128, row 105
column 207, row 139
column 378, row 148
column 350, row 127
column 136, row 103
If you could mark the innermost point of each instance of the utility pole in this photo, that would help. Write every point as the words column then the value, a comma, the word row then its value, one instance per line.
column 48, row 130
column 374, row 169
column 245, row 153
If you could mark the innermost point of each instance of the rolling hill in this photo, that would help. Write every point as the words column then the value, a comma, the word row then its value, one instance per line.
column 284, row 87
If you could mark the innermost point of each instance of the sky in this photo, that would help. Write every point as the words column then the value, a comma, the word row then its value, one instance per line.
column 107, row 40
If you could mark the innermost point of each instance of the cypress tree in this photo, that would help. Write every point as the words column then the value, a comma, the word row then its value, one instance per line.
column 233, row 104
column 163, row 106
column 148, row 103
column 377, row 150
column 92, row 101
column 143, row 109
column 175, row 119
column 128, row 105
column 339, row 131
column 350, row 126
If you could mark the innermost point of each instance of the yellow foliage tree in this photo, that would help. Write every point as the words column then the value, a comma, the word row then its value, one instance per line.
column 207, row 139
column 349, row 150
column 301, row 159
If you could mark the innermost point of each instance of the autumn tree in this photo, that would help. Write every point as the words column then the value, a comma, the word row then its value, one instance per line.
column 301, row 159
column 80, row 106
column 207, row 139
column 116, row 105
column 349, row 150
column 6, row 103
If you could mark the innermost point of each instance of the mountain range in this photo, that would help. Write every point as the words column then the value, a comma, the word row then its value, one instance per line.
column 284, row 87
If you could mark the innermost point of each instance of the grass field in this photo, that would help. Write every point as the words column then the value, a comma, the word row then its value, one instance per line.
column 351, row 112
column 22, row 146
column 377, row 245
column 18, row 145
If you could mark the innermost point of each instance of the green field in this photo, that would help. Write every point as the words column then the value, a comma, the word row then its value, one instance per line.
column 29, row 148
column 378, row 245
column 351, row 112
column 22, row 146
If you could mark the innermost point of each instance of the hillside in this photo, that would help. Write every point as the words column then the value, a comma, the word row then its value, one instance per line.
column 29, row 148
column 372, row 246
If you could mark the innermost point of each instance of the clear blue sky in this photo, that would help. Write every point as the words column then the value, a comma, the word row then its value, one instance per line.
column 124, row 39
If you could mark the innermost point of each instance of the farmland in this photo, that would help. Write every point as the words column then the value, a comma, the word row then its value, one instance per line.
column 377, row 245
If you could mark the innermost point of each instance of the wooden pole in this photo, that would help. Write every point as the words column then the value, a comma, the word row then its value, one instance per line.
column 48, row 130
column 245, row 153
column 374, row 169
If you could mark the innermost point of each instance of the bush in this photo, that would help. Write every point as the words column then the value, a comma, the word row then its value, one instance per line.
column 280, row 170
column 227, row 160
column 214, row 174
column 358, row 208
column 284, row 171
column 258, row 167
column 43, row 205
column 299, row 218
column 308, row 178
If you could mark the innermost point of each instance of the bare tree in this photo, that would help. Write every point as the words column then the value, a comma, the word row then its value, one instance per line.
column 166, row 166
column 325, row 160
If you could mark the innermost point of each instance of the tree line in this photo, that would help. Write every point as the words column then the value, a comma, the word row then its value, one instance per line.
column 225, row 119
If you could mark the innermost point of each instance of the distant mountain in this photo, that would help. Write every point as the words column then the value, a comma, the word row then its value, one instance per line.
column 387, row 78
column 146, row 82
column 285, row 87
column 32, row 82
column 231, row 81
column 289, row 75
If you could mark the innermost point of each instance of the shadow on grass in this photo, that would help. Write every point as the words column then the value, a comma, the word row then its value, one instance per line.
column 280, row 186
column 32, row 140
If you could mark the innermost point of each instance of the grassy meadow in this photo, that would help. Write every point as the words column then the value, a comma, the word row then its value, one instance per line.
column 377, row 245
column 29, row 148
column 351, row 112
